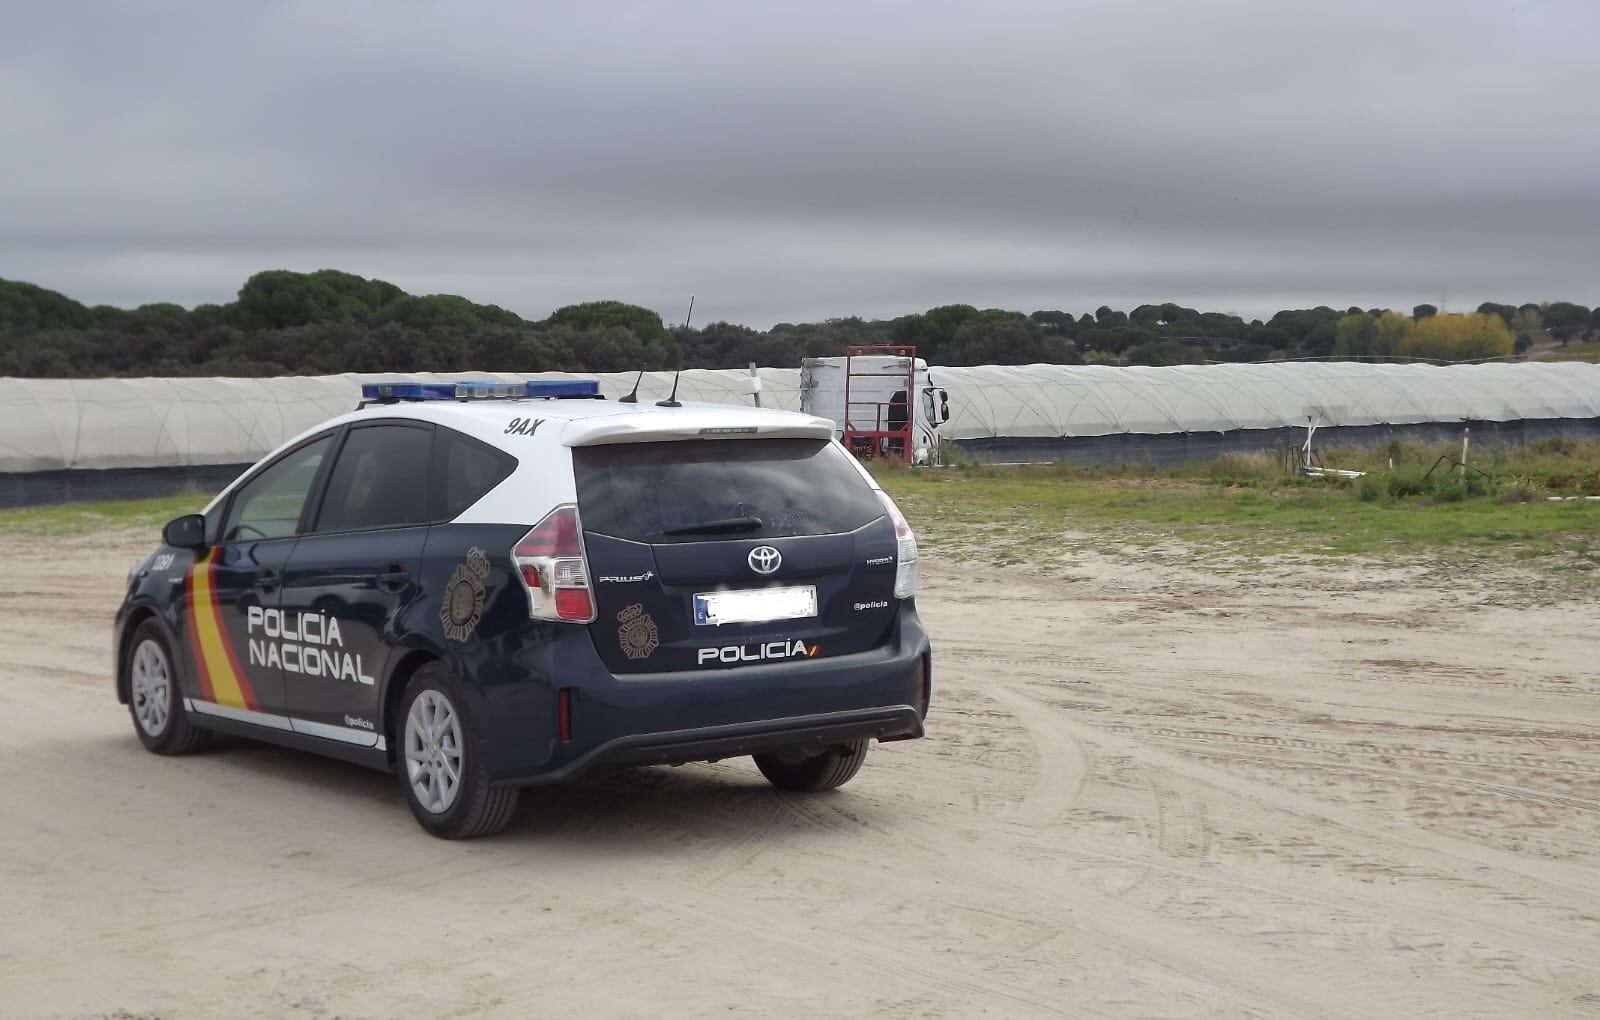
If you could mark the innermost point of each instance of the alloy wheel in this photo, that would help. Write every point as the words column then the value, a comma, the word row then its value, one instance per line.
column 151, row 687
column 433, row 750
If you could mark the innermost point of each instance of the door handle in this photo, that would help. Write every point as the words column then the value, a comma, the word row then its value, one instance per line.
column 393, row 577
column 267, row 580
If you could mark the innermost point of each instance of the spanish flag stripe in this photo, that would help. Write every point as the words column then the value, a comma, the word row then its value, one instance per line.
column 241, row 681
column 222, row 679
column 191, row 624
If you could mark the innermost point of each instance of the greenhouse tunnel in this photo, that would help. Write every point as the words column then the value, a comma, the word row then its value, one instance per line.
column 80, row 439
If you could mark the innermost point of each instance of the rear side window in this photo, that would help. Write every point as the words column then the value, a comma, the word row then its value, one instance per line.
column 379, row 481
column 644, row 491
column 467, row 470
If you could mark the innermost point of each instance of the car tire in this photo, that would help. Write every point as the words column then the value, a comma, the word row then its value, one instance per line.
column 834, row 767
column 155, row 695
column 438, row 765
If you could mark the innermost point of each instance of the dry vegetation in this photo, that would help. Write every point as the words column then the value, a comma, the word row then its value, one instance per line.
column 1238, row 510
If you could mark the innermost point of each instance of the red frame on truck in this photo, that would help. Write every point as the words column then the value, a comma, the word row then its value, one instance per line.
column 880, row 440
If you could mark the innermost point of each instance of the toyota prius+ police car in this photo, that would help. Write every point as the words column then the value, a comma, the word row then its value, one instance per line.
column 481, row 587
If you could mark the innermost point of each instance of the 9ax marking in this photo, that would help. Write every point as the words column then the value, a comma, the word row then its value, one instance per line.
column 523, row 426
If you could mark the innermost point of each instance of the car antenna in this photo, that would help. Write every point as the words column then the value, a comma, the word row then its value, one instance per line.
column 672, row 400
column 633, row 395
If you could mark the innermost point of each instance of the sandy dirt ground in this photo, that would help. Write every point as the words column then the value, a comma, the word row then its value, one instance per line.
column 1146, row 792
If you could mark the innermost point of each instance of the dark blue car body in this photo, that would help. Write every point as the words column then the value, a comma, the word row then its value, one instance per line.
column 308, row 640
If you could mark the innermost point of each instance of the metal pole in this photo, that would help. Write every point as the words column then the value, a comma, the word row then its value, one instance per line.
column 755, row 383
column 848, row 371
column 1465, row 434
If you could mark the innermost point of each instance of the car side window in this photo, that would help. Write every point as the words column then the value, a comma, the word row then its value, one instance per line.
column 269, row 505
column 380, row 480
column 467, row 469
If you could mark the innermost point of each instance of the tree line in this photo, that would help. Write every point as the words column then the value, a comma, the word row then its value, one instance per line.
column 288, row 323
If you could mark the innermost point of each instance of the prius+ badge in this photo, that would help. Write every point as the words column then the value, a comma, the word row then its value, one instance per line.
column 764, row 559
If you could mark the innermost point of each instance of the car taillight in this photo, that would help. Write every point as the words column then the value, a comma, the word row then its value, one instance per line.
column 554, row 571
column 905, row 571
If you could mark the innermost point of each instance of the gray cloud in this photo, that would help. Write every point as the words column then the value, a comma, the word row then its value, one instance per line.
column 797, row 161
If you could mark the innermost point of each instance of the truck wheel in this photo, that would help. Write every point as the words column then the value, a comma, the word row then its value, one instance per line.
column 813, row 773
column 155, row 695
column 438, row 764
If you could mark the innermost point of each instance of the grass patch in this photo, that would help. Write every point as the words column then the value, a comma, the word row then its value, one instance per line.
column 83, row 518
column 1244, row 505
column 1561, row 465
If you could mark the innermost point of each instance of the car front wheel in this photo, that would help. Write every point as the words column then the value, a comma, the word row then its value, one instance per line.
column 438, row 765
column 155, row 696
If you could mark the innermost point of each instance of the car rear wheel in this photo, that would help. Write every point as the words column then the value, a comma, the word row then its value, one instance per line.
column 813, row 773
column 155, row 697
column 438, row 764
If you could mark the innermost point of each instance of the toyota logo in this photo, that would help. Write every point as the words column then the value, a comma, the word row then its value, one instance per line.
column 764, row 559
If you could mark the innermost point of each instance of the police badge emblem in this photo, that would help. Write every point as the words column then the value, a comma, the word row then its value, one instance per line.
column 463, row 596
column 637, row 635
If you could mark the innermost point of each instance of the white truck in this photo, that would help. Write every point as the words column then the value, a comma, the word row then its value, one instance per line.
column 882, row 405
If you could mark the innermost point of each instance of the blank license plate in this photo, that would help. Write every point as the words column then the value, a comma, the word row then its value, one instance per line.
column 760, row 605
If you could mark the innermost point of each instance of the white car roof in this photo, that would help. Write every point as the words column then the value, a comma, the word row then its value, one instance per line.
column 580, row 422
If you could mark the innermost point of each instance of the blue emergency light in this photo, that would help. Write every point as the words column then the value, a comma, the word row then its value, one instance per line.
column 479, row 390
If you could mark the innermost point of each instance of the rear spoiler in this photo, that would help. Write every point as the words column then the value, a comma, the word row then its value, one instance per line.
column 694, row 424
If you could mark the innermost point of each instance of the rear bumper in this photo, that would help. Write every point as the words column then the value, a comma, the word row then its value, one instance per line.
column 710, row 743
column 694, row 715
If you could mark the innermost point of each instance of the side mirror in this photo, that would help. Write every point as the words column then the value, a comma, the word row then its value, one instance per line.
column 186, row 532
column 944, row 407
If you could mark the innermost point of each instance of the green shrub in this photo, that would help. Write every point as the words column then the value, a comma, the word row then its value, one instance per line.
column 1406, row 482
column 1395, row 450
column 1554, row 446
column 1448, row 489
column 1240, row 468
column 1395, row 469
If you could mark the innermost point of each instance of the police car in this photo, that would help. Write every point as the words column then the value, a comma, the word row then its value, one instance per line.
column 480, row 587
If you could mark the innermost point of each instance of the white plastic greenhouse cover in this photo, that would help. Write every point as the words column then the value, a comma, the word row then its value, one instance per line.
column 1038, row 401
column 118, row 423
column 49, row 424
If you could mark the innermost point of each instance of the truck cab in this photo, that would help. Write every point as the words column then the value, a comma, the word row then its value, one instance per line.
column 882, row 401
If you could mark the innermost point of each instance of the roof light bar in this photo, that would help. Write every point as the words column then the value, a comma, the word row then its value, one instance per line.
column 478, row 390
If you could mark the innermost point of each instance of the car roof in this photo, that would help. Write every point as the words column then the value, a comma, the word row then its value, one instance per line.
column 581, row 422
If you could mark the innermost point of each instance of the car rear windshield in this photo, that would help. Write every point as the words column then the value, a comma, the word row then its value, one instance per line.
column 714, row 490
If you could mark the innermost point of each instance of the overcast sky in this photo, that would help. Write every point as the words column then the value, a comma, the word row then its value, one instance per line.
column 804, row 160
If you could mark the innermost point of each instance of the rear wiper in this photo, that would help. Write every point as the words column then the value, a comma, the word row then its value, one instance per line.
column 714, row 527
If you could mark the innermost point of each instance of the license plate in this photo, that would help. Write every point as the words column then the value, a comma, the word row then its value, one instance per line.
column 759, row 605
